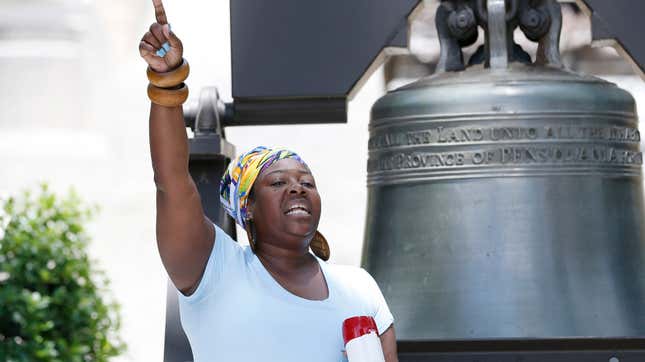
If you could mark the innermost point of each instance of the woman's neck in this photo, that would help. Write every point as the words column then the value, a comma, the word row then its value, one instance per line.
column 286, row 262
column 299, row 273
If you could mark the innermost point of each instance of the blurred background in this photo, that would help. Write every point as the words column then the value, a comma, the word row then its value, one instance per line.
column 74, row 113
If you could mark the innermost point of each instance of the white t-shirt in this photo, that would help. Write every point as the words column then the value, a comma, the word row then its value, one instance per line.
column 240, row 313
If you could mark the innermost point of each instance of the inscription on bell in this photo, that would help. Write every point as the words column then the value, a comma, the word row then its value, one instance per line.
column 545, row 155
column 455, row 135
column 596, row 154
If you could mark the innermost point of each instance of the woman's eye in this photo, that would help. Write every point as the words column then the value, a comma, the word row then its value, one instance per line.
column 307, row 184
column 277, row 183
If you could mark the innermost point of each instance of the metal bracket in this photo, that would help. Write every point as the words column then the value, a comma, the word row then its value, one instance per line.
column 209, row 114
column 497, row 34
column 540, row 20
column 456, row 27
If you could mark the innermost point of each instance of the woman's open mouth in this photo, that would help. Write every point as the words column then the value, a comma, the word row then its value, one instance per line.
column 298, row 209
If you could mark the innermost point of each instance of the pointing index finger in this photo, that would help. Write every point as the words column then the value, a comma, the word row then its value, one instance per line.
column 160, row 13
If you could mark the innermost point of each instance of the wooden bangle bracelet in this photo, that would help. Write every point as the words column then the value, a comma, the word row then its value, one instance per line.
column 169, row 79
column 168, row 97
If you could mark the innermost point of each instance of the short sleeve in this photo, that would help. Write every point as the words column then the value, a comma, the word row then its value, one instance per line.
column 382, row 314
column 226, row 253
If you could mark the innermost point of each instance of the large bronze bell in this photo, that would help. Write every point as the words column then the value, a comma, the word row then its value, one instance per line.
column 505, row 198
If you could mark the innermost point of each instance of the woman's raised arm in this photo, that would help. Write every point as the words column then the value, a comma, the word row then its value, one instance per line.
column 185, row 236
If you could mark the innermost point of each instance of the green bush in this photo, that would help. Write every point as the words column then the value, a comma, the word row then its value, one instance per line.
column 52, row 303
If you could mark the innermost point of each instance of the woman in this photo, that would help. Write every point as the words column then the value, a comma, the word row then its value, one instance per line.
column 273, row 300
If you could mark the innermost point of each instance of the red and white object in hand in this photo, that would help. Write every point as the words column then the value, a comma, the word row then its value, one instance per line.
column 362, row 343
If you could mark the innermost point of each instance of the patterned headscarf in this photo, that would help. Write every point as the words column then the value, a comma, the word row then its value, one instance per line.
column 241, row 174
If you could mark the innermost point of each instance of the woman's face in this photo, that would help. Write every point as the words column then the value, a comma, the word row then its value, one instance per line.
column 286, row 204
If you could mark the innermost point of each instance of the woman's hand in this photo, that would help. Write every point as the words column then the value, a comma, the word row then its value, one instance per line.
column 160, row 47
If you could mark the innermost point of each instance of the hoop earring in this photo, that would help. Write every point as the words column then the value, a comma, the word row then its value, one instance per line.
column 320, row 246
column 250, row 233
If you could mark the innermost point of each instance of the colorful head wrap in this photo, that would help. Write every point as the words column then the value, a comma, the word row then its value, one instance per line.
column 241, row 174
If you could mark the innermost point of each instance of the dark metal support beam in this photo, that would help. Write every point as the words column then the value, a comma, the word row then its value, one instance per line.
column 297, row 61
column 620, row 23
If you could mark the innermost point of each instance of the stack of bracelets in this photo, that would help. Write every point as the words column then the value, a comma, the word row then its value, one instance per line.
column 168, row 89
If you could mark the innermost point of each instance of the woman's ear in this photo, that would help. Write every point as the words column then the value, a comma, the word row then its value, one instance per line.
column 250, row 205
column 249, row 209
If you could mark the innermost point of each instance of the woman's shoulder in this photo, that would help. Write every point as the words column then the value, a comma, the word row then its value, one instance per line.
column 352, row 277
column 230, row 254
column 356, row 290
column 346, row 271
